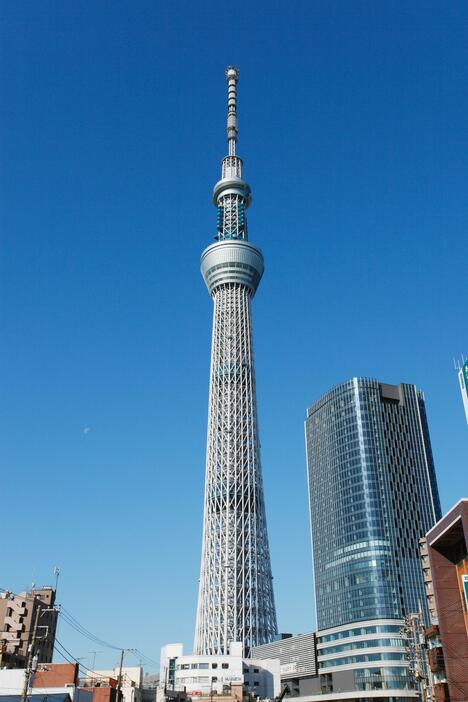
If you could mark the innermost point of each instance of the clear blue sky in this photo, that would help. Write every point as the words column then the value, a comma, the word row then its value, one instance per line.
column 354, row 133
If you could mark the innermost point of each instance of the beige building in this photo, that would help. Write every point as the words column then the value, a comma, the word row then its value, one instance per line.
column 24, row 617
column 131, row 684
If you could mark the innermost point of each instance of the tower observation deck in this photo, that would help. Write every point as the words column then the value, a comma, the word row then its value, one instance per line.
column 235, row 601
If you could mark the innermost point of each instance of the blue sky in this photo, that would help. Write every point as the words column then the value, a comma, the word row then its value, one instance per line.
column 354, row 136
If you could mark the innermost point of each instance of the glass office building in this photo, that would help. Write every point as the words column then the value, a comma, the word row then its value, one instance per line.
column 373, row 494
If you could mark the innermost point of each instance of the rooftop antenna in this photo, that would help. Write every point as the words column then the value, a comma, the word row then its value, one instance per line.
column 56, row 573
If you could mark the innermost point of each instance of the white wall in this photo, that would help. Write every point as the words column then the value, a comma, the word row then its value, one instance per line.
column 11, row 681
column 168, row 651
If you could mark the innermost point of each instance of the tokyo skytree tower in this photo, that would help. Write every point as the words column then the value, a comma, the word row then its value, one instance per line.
column 235, row 601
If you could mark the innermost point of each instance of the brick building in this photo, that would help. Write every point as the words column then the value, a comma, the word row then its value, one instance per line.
column 447, row 550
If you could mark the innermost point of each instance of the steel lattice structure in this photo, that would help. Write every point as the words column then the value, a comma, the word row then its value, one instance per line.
column 235, row 600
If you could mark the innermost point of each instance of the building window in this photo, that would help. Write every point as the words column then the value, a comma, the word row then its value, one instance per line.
column 204, row 666
column 214, row 679
column 256, row 683
column 214, row 665
column 224, row 665
column 326, row 683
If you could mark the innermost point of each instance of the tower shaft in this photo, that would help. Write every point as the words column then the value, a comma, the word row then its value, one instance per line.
column 235, row 595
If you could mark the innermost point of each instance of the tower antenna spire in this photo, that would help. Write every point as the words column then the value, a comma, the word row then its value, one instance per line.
column 232, row 76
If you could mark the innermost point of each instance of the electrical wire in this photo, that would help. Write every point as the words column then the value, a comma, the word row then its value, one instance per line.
column 86, row 671
column 75, row 624
column 140, row 655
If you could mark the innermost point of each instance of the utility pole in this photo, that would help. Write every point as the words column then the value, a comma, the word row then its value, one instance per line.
column 30, row 666
column 413, row 634
column 119, row 680
column 31, row 660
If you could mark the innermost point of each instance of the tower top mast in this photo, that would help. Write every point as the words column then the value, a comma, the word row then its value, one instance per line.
column 232, row 76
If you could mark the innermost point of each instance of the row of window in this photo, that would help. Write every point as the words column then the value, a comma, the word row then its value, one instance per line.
column 373, row 643
column 390, row 684
column 363, row 658
column 378, row 673
column 205, row 679
column 200, row 666
column 361, row 631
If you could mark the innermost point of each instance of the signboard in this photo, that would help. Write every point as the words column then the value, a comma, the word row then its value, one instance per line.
column 465, row 589
column 288, row 668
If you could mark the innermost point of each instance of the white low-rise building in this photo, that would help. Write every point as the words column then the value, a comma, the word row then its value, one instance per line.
column 208, row 676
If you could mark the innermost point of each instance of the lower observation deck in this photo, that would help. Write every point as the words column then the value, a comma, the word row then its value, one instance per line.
column 232, row 261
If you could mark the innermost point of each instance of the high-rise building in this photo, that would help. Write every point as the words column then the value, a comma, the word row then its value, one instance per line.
column 235, row 602
column 373, row 495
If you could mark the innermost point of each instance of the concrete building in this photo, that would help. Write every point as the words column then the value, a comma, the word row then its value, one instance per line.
column 447, row 547
column 228, row 675
column 22, row 617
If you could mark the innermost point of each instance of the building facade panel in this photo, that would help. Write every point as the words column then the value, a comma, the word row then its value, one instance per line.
column 297, row 655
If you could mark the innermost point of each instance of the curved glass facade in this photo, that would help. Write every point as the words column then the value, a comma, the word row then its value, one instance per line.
column 373, row 494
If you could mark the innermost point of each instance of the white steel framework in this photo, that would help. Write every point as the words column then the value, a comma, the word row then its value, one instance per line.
column 235, row 600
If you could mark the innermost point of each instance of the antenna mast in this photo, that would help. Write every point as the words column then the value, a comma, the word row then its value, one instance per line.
column 232, row 76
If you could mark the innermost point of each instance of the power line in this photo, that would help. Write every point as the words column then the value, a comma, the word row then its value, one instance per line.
column 139, row 654
column 75, row 624
column 81, row 665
